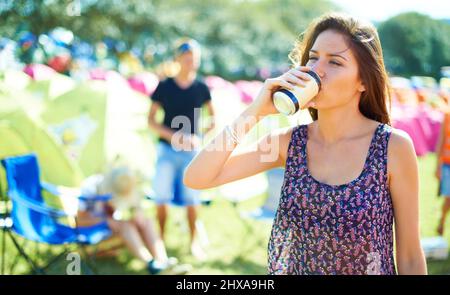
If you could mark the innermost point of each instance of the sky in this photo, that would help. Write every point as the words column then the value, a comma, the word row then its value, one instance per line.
column 379, row 10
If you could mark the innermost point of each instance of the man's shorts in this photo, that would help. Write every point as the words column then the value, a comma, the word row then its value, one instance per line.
column 168, row 180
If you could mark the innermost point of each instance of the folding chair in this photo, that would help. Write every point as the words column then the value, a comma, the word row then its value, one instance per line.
column 33, row 219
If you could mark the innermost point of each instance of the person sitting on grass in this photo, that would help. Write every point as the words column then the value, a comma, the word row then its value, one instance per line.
column 126, row 219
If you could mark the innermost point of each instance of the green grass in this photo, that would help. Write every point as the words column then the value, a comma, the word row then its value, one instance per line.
column 236, row 246
column 430, row 210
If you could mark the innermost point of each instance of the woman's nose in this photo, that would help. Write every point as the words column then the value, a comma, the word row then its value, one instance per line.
column 319, row 69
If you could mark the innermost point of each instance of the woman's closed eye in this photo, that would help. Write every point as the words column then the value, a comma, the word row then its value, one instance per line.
column 333, row 62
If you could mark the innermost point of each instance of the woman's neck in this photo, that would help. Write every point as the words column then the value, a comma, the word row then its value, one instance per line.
column 336, row 124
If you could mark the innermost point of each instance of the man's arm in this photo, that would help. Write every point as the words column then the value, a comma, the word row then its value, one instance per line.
column 212, row 116
column 161, row 130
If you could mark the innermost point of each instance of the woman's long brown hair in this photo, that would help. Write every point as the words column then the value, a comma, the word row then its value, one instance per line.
column 365, row 44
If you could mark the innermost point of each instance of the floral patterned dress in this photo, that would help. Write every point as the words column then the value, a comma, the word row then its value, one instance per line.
column 333, row 229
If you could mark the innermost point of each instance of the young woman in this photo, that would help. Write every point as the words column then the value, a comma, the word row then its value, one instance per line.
column 348, row 175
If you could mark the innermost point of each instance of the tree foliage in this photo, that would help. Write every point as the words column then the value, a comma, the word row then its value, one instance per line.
column 415, row 44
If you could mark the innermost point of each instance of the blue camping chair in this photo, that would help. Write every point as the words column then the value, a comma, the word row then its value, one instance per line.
column 34, row 220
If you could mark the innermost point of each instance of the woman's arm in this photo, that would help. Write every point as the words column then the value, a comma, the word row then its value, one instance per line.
column 404, row 188
column 216, row 165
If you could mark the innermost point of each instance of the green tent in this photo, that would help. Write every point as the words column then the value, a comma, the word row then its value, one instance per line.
column 47, row 90
column 14, row 79
column 98, row 121
column 21, row 133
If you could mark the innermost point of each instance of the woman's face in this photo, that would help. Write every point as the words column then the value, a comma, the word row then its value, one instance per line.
column 331, row 58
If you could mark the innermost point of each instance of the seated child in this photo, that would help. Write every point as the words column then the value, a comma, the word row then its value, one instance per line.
column 126, row 218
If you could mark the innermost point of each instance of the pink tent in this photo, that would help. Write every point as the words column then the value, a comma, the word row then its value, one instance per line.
column 430, row 119
column 217, row 82
column 39, row 71
column 145, row 82
column 248, row 89
column 108, row 75
column 422, row 124
column 98, row 74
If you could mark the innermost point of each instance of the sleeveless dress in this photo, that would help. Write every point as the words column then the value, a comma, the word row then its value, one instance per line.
column 333, row 229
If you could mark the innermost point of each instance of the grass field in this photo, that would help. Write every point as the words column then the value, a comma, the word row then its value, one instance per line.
column 237, row 246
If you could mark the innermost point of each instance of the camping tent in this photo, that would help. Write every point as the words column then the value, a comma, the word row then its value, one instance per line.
column 14, row 79
column 98, row 121
column 48, row 89
column 21, row 133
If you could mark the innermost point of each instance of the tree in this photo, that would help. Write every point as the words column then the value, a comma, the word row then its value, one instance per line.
column 415, row 44
column 237, row 36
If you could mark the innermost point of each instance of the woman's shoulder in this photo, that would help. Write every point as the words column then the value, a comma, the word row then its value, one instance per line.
column 283, row 137
column 401, row 152
column 400, row 140
column 287, row 132
column 283, row 134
